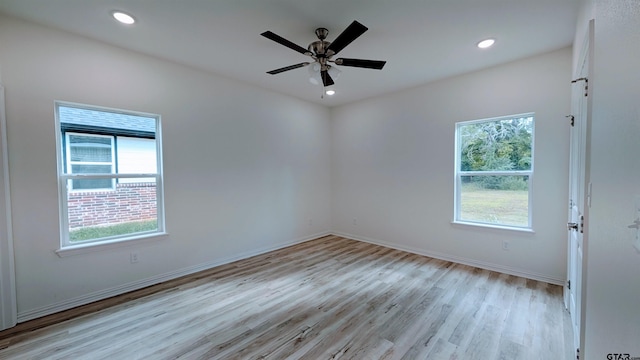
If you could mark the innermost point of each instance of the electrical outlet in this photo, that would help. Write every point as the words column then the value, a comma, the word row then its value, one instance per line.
column 505, row 245
column 133, row 257
column 355, row 221
column 310, row 222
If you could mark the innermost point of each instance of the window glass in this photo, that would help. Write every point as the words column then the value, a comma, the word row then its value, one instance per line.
column 109, row 174
column 494, row 171
column 495, row 200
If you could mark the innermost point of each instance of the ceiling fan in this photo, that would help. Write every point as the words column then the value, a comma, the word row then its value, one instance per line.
column 322, row 52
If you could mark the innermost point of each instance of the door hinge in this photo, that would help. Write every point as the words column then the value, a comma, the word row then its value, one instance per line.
column 586, row 84
column 572, row 120
column 577, row 226
column 569, row 284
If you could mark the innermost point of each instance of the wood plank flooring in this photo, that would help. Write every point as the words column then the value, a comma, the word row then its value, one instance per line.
column 329, row 298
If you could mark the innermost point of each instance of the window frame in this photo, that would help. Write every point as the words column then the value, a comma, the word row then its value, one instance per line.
column 67, row 247
column 459, row 174
column 70, row 163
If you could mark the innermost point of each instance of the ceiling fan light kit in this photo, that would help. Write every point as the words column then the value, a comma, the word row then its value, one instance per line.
column 321, row 51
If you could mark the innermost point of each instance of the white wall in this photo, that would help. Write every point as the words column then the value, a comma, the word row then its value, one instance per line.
column 393, row 162
column 612, row 299
column 245, row 169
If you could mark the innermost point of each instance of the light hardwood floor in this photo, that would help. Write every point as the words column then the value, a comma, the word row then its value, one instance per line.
column 327, row 298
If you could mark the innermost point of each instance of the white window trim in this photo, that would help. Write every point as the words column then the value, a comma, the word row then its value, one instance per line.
column 458, row 174
column 107, row 244
column 66, row 247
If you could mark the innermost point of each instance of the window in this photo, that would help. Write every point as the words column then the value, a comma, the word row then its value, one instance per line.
column 110, row 178
column 494, row 171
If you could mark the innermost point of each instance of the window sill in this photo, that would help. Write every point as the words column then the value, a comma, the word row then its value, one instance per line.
column 468, row 224
column 108, row 244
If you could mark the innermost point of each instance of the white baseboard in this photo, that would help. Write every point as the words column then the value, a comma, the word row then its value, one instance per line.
column 118, row 290
column 460, row 260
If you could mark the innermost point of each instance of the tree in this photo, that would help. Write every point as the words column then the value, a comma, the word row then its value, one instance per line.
column 497, row 145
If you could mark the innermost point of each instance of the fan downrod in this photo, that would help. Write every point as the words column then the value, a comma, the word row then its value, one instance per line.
column 319, row 46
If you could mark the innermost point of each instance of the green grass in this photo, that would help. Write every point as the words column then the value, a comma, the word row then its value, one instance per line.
column 97, row 232
column 506, row 207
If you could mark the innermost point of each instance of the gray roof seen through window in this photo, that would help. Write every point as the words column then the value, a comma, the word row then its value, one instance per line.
column 106, row 119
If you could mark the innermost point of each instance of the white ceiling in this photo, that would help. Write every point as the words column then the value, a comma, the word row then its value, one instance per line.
column 421, row 40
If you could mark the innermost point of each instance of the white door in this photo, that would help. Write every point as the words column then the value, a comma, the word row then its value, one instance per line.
column 578, row 190
column 8, row 312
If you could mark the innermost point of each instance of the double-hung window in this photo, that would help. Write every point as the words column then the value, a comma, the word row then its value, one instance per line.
column 110, row 175
column 494, row 171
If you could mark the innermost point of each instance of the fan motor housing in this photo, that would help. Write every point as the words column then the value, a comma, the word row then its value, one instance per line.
column 318, row 47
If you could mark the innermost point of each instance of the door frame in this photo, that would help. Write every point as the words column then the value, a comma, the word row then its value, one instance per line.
column 581, row 97
column 8, row 306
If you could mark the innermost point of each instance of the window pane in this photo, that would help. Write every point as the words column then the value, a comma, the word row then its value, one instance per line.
column 90, row 148
column 90, row 154
column 130, row 209
column 499, row 145
column 91, row 169
column 502, row 200
column 92, row 184
column 89, row 140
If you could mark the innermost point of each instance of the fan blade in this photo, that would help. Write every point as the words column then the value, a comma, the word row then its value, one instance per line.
column 287, row 68
column 369, row 64
column 349, row 34
column 282, row 41
column 326, row 78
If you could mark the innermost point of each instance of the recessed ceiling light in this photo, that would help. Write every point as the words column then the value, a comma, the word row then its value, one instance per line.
column 123, row 17
column 486, row 43
column 330, row 92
